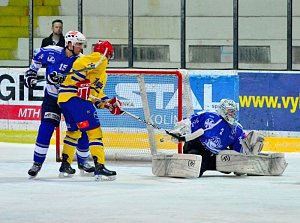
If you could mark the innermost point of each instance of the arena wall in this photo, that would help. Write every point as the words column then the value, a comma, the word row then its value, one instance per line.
column 269, row 102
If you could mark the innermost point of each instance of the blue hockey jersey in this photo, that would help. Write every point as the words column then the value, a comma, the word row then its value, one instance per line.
column 220, row 136
column 55, row 59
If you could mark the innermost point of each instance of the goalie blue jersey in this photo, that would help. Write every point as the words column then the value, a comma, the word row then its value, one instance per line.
column 220, row 136
column 55, row 59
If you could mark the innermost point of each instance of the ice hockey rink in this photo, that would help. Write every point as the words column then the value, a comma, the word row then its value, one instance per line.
column 138, row 196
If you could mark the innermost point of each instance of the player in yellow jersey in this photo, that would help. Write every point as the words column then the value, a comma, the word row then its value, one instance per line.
column 79, row 96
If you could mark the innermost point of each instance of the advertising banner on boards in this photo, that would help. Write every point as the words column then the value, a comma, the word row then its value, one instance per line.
column 270, row 100
column 209, row 87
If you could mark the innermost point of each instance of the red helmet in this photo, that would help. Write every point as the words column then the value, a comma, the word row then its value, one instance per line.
column 104, row 46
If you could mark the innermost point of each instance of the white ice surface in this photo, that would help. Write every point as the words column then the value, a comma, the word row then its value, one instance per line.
column 138, row 196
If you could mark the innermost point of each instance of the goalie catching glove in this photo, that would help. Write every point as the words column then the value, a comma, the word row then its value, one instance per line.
column 114, row 105
column 30, row 78
column 55, row 78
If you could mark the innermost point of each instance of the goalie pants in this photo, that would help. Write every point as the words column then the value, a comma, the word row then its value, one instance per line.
column 208, row 158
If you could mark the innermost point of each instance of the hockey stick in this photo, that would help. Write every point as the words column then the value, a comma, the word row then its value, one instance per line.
column 194, row 135
column 177, row 136
column 92, row 66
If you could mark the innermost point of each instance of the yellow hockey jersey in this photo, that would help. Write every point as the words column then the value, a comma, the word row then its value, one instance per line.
column 97, row 78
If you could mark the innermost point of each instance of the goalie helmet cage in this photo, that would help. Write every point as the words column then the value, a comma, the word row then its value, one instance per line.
column 156, row 96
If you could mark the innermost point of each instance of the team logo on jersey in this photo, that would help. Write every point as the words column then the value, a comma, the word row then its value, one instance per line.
column 92, row 65
column 194, row 122
column 97, row 83
column 209, row 123
column 213, row 143
column 51, row 59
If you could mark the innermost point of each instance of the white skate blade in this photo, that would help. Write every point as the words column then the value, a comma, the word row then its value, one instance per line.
column 104, row 178
column 65, row 175
column 32, row 177
column 86, row 174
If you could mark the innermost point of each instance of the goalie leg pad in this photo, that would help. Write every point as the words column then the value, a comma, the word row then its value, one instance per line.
column 263, row 164
column 176, row 165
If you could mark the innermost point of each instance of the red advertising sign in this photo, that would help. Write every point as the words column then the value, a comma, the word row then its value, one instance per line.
column 20, row 112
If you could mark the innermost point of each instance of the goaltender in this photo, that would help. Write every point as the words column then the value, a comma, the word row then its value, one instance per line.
column 211, row 133
column 220, row 141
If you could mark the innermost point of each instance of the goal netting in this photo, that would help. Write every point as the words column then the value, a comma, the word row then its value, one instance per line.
column 157, row 96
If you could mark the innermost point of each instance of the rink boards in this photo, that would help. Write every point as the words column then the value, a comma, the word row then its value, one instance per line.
column 270, row 104
column 137, row 141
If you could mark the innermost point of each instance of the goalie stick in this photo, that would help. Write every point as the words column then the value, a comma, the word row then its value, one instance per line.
column 194, row 135
column 178, row 137
column 92, row 66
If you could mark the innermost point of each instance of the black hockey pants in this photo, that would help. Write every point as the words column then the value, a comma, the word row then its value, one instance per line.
column 208, row 158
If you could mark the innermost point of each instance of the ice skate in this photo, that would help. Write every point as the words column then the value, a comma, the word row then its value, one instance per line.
column 101, row 173
column 86, row 169
column 65, row 169
column 33, row 171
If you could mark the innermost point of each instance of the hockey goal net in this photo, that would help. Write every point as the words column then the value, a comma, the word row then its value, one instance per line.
column 155, row 96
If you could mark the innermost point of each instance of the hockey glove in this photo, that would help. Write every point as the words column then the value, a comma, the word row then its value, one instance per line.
column 182, row 131
column 55, row 78
column 182, row 127
column 253, row 143
column 30, row 78
column 115, row 106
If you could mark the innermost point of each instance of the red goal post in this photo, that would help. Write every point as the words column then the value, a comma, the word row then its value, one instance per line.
column 153, row 95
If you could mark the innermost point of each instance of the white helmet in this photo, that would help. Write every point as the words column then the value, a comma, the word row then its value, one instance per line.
column 74, row 37
column 228, row 110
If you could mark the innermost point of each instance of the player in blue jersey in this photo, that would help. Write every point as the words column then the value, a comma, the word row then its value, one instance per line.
column 208, row 133
column 58, row 60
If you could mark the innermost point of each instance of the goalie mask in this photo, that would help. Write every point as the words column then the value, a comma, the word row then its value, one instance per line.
column 228, row 109
column 74, row 37
column 105, row 48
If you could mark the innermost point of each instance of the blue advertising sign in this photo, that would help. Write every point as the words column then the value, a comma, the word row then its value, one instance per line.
column 270, row 101
column 162, row 101
column 209, row 87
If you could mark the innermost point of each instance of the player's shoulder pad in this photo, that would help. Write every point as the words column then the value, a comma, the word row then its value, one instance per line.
column 53, row 48
column 208, row 114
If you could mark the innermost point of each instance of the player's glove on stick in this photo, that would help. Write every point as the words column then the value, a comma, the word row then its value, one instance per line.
column 30, row 78
column 115, row 106
column 55, row 78
column 182, row 132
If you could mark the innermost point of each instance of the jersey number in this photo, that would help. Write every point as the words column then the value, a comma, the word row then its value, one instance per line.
column 84, row 89
column 63, row 67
